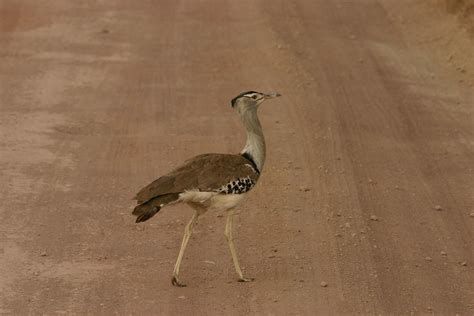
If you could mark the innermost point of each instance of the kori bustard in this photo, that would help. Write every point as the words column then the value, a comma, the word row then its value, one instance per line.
column 217, row 182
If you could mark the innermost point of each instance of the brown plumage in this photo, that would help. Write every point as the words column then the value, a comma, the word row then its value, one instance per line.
column 211, row 181
column 204, row 173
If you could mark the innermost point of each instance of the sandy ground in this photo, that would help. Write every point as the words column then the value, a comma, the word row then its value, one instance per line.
column 367, row 186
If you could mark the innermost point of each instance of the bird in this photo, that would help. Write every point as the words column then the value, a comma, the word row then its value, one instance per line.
column 212, row 182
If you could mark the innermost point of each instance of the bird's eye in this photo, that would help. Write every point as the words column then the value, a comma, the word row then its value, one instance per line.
column 254, row 97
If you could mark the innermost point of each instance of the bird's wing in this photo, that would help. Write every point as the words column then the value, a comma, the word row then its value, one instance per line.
column 207, row 173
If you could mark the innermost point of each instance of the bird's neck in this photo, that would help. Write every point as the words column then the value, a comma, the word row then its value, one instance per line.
column 255, row 147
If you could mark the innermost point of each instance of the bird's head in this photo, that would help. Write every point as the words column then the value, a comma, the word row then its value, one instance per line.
column 251, row 100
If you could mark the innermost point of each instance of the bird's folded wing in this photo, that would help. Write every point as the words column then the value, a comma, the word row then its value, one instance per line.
column 206, row 173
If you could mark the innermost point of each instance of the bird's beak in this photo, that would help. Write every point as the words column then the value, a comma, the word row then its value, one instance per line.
column 272, row 95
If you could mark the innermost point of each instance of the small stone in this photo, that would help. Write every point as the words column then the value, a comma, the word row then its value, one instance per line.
column 438, row 208
column 428, row 258
column 347, row 225
column 472, row 214
column 182, row 297
column 43, row 254
column 209, row 262
column 464, row 263
column 323, row 284
column 374, row 218
column 443, row 253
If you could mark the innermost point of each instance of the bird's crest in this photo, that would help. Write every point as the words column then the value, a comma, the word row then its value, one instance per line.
column 248, row 94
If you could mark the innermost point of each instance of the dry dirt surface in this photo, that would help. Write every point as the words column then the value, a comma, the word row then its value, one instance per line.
column 366, row 201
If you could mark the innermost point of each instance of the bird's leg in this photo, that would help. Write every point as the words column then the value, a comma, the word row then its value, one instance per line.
column 228, row 236
column 187, row 233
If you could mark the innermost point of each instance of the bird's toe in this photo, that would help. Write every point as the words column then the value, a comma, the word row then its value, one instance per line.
column 246, row 279
column 175, row 282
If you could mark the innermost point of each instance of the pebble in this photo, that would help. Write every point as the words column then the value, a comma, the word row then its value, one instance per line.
column 443, row 253
column 428, row 259
column 209, row 262
column 438, row 208
column 472, row 214
column 374, row 218
column 43, row 254
column 323, row 284
column 464, row 263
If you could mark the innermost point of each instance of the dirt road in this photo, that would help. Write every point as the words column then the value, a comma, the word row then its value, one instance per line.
column 367, row 186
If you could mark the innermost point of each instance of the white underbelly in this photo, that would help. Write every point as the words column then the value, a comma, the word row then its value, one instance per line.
column 212, row 200
column 226, row 201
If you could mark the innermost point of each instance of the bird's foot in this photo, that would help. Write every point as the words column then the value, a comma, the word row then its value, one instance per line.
column 175, row 282
column 242, row 279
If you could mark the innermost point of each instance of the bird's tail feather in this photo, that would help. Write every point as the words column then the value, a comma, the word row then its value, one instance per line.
column 148, row 209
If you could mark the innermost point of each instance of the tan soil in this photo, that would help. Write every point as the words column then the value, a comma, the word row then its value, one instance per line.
column 365, row 201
